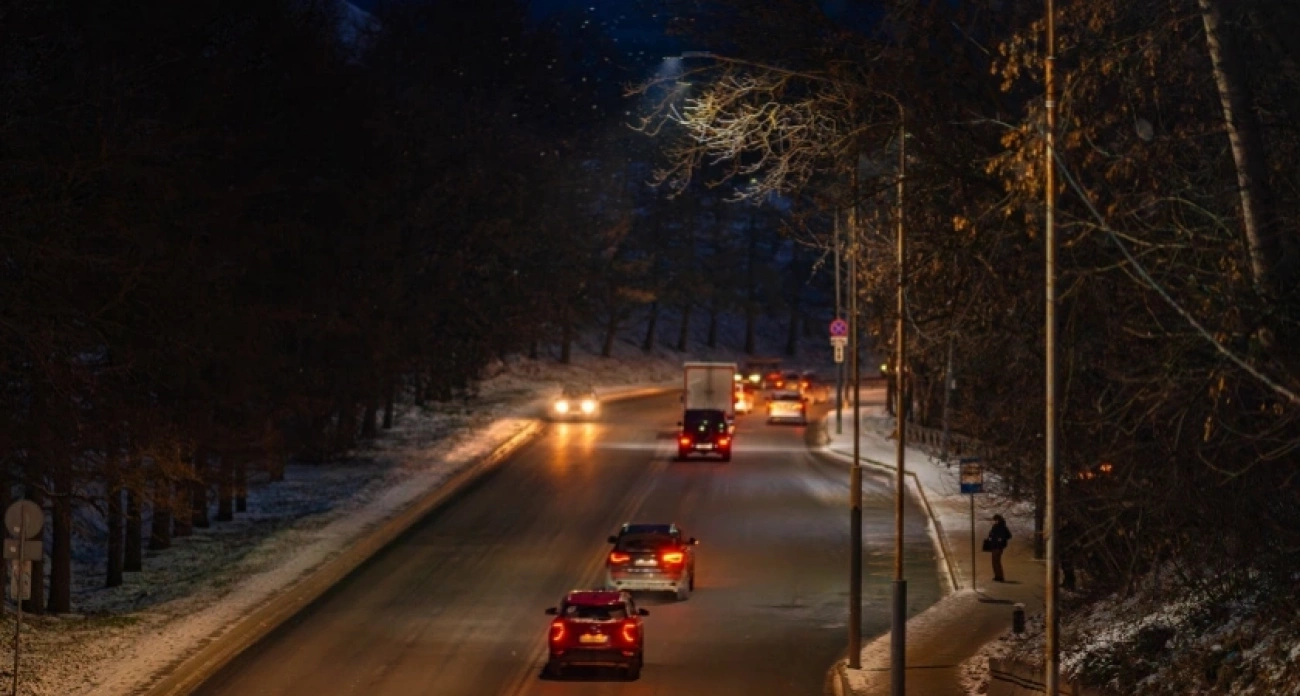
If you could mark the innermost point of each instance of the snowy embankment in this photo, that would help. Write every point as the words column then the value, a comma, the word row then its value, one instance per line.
column 122, row 639
column 1162, row 641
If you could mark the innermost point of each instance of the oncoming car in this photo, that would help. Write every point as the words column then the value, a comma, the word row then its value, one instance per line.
column 576, row 402
column 788, row 407
column 653, row 558
column 596, row 628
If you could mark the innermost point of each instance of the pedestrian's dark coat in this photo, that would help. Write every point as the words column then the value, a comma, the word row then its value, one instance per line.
column 999, row 535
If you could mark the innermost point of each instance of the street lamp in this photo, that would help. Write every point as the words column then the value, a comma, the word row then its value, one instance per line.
column 898, row 624
column 1051, row 620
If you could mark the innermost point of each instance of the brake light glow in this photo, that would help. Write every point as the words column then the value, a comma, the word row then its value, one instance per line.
column 629, row 631
column 619, row 557
column 724, row 441
column 685, row 440
column 673, row 557
column 557, row 631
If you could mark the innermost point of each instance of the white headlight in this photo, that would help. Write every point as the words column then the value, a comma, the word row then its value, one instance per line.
column 588, row 406
column 562, row 406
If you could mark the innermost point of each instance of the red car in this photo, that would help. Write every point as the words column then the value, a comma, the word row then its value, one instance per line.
column 597, row 628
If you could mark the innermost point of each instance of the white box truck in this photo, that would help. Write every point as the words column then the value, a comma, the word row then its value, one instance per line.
column 710, row 386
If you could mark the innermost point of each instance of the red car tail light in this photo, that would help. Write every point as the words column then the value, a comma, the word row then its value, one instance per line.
column 629, row 631
column 685, row 440
column 557, row 631
column 724, row 441
column 619, row 557
column 673, row 557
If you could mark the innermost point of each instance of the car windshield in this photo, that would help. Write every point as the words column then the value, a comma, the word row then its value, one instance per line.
column 645, row 542
column 785, row 396
column 574, row 392
column 705, row 423
column 607, row 612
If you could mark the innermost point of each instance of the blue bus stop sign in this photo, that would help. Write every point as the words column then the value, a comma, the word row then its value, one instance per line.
column 972, row 476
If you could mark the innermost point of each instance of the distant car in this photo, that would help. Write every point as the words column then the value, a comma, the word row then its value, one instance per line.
column 787, row 406
column 744, row 398
column 705, row 431
column 576, row 402
column 596, row 628
column 651, row 557
column 757, row 370
column 813, row 388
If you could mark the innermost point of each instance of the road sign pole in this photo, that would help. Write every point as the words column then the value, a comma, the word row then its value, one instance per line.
column 973, row 557
column 18, row 596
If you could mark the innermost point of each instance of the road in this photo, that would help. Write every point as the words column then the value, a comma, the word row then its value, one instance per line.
column 456, row 605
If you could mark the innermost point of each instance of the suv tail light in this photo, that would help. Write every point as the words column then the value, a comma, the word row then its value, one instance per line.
column 684, row 440
column 629, row 631
column 617, row 557
column 724, row 441
column 557, row 631
column 673, row 557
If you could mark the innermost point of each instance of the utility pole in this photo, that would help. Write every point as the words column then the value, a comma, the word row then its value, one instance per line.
column 839, row 314
column 855, row 472
column 1051, row 619
column 898, row 629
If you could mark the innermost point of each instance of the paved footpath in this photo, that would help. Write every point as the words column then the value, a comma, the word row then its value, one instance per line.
column 953, row 630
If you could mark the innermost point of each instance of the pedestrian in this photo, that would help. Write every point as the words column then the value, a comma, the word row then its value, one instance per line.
column 996, row 543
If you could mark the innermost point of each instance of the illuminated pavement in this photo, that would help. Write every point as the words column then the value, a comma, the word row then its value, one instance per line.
column 456, row 606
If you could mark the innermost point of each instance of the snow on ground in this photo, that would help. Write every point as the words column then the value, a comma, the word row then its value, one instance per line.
column 1162, row 641
column 122, row 637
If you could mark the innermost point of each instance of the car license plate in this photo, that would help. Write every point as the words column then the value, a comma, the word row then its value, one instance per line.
column 646, row 562
column 704, row 445
column 593, row 638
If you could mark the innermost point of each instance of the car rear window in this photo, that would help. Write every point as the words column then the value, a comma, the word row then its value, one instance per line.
column 786, row 397
column 705, row 423
column 644, row 542
column 610, row 612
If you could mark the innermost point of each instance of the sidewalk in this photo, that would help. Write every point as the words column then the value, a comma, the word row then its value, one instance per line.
column 954, row 629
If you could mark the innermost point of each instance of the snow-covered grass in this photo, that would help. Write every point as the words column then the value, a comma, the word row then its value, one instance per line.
column 121, row 639
column 1164, row 640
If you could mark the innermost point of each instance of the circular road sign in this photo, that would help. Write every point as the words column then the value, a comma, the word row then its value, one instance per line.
column 839, row 327
column 24, row 516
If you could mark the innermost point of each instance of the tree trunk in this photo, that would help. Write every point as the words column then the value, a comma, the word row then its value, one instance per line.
column 370, row 419
column 241, row 484
column 116, row 526
column 649, row 343
column 684, row 333
column 133, row 551
column 61, row 546
column 611, row 332
column 6, row 499
column 182, row 514
column 1271, row 256
column 226, row 488
column 160, row 530
column 199, row 491
column 566, row 338
column 712, row 341
column 390, row 398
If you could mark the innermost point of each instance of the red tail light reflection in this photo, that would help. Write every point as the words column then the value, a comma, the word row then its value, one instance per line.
column 619, row 557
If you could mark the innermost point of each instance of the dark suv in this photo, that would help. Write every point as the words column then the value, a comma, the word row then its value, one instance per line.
column 704, row 432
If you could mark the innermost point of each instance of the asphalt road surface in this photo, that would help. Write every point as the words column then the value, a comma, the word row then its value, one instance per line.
column 455, row 607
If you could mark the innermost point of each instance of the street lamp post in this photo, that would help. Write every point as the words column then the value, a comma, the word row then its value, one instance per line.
column 1051, row 619
column 898, row 640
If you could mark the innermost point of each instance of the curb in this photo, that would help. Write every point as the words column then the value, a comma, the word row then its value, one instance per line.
column 191, row 672
column 954, row 582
